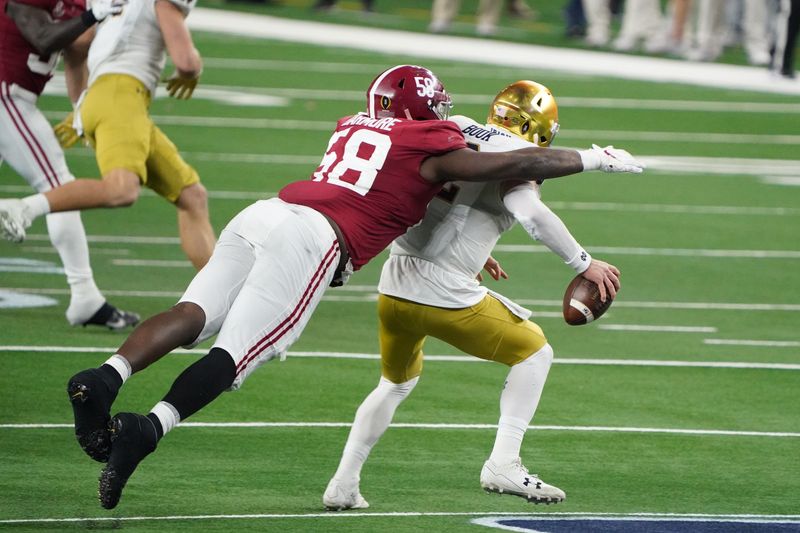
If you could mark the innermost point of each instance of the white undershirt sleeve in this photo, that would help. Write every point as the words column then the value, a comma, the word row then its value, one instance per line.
column 543, row 225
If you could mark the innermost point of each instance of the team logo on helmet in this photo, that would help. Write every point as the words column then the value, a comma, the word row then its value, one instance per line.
column 528, row 110
column 408, row 92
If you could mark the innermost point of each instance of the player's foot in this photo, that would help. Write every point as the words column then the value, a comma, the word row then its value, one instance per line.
column 14, row 219
column 112, row 318
column 91, row 399
column 513, row 478
column 340, row 496
column 133, row 437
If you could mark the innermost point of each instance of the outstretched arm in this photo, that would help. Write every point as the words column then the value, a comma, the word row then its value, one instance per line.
column 526, row 164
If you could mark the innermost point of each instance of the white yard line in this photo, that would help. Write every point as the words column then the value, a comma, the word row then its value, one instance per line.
column 363, row 515
column 156, row 263
column 480, row 427
column 438, row 358
column 678, row 209
column 749, row 342
column 669, row 252
column 507, row 248
column 668, row 164
column 657, row 329
column 617, row 135
column 331, row 296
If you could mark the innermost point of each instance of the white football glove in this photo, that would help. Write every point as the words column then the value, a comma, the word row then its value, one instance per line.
column 105, row 8
column 610, row 159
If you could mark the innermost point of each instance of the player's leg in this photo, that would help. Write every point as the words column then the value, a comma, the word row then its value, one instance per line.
column 115, row 122
column 198, row 316
column 401, row 344
column 171, row 177
column 296, row 255
column 490, row 330
column 29, row 145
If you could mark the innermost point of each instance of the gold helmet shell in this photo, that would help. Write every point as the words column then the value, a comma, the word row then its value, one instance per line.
column 528, row 110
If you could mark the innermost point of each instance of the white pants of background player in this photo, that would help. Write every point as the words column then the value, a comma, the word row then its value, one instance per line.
column 28, row 144
column 267, row 274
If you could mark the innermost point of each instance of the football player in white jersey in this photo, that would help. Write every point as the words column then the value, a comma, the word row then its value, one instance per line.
column 428, row 286
column 33, row 35
column 125, row 63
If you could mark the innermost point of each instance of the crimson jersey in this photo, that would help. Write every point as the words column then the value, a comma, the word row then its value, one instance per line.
column 19, row 62
column 369, row 181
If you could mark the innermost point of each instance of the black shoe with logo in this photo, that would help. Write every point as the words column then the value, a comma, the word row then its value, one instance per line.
column 91, row 398
column 133, row 437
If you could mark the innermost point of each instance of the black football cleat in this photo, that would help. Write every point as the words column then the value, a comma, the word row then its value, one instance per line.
column 91, row 400
column 133, row 437
column 112, row 318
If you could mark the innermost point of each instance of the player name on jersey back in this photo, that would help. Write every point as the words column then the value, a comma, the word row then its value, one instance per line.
column 385, row 124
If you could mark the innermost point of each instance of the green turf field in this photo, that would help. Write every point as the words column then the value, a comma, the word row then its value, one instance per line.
column 682, row 399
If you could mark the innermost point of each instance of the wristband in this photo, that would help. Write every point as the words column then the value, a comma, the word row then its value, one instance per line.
column 88, row 18
column 581, row 261
column 590, row 159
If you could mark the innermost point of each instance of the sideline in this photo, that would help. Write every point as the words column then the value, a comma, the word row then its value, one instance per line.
column 490, row 52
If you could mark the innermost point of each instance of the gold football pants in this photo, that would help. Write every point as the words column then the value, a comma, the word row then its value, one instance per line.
column 116, row 121
column 487, row 330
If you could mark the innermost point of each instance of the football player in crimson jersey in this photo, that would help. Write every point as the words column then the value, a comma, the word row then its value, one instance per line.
column 428, row 286
column 32, row 35
column 275, row 259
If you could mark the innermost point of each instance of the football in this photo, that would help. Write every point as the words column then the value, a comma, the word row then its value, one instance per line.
column 582, row 302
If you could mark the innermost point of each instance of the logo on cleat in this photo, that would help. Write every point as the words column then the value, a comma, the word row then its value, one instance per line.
column 528, row 482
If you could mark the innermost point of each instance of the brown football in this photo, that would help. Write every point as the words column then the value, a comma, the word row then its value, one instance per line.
column 582, row 302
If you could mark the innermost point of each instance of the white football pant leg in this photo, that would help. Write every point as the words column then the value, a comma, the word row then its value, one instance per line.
column 518, row 403
column 28, row 144
column 372, row 419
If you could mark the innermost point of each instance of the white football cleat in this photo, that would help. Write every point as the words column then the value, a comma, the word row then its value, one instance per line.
column 513, row 478
column 14, row 219
column 340, row 496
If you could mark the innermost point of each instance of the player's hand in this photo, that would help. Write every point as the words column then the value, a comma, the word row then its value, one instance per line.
column 67, row 135
column 180, row 87
column 494, row 269
column 106, row 8
column 610, row 159
column 605, row 276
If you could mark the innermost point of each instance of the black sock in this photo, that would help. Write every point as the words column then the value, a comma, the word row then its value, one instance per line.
column 156, row 424
column 111, row 378
column 201, row 383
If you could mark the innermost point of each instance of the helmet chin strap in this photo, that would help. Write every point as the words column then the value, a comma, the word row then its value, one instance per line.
column 408, row 114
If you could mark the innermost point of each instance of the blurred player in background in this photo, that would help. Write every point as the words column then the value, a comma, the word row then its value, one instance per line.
column 275, row 259
column 32, row 35
column 428, row 286
column 125, row 62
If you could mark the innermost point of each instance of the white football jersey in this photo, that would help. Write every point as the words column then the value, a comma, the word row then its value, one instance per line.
column 436, row 261
column 131, row 43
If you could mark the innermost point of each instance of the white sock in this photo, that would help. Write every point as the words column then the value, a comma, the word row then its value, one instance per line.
column 518, row 403
column 167, row 415
column 372, row 419
column 69, row 239
column 37, row 205
column 121, row 365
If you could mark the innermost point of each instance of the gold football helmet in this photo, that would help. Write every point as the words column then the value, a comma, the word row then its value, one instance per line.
column 528, row 110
